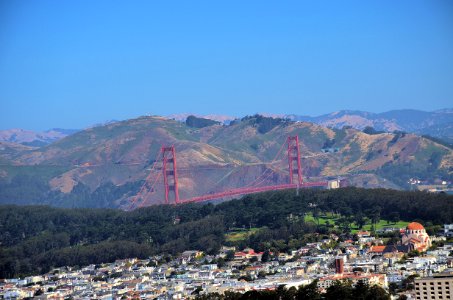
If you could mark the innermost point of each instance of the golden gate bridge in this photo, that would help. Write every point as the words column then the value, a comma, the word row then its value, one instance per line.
column 165, row 167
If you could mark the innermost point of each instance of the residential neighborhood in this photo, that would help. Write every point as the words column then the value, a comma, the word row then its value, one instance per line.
column 362, row 258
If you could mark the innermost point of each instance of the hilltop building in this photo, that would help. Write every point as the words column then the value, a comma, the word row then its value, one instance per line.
column 416, row 238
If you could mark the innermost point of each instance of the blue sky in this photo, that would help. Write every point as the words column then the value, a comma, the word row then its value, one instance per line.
column 71, row 64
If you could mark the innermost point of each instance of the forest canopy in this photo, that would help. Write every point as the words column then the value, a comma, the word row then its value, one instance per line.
column 35, row 239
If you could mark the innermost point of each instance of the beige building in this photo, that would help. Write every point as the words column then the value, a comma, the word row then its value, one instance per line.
column 416, row 237
column 367, row 278
column 433, row 288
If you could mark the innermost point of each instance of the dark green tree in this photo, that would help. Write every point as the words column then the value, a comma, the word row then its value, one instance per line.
column 309, row 292
column 339, row 290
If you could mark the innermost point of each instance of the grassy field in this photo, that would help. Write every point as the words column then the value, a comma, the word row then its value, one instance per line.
column 323, row 219
column 239, row 234
column 333, row 218
column 383, row 224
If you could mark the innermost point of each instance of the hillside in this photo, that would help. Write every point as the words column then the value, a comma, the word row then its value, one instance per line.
column 443, row 131
column 435, row 123
column 104, row 166
column 32, row 138
column 36, row 238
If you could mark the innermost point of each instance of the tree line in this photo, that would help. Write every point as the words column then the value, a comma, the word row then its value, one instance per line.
column 34, row 239
column 340, row 290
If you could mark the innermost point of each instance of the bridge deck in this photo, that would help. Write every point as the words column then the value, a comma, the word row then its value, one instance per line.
column 251, row 190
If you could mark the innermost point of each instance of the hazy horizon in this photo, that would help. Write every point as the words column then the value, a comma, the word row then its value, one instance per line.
column 101, row 122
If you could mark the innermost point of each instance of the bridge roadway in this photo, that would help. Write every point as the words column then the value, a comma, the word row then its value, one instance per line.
column 252, row 190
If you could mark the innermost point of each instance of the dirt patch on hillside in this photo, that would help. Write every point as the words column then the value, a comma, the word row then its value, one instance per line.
column 67, row 181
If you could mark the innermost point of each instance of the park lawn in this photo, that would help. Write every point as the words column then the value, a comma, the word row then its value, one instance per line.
column 323, row 219
column 332, row 219
column 236, row 235
column 382, row 224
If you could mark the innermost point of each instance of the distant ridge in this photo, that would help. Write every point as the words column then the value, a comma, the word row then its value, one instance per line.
column 224, row 119
column 33, row 138
column 438, row 123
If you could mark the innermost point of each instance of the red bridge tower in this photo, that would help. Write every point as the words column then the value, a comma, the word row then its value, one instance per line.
column 295, row 170
column 170, row 174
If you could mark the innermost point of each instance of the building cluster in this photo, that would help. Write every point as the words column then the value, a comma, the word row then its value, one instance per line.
column 432, row 185
column 363, row 258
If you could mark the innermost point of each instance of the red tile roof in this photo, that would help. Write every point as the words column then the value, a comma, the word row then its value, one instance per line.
column 377, row 249
column 415, row 226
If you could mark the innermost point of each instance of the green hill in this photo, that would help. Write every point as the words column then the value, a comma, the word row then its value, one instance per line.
column 36, row 238
column 105, row 166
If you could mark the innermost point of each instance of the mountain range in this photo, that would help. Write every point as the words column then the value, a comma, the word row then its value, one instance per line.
column 437, row 124
column 33, row 138
column 105, row 166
